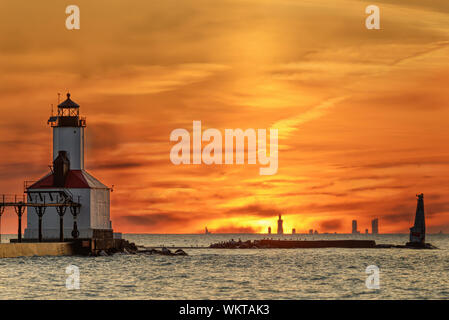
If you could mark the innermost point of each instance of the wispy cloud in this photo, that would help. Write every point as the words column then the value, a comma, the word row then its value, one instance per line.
column 287, row 126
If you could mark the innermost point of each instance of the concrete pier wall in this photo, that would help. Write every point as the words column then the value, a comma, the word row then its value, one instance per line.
column 12, row 250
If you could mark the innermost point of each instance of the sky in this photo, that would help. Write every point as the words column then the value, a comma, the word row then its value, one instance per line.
column 362, row 115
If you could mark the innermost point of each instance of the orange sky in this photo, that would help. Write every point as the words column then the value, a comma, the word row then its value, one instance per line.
column 363, row 115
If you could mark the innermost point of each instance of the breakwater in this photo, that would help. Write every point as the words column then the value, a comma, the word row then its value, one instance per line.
column 285, row 244
column 291, row 244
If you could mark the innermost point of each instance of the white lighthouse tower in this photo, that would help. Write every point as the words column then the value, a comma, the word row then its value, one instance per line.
column 68, row 133
column 68, row 182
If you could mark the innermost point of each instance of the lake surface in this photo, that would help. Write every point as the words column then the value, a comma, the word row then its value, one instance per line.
column 236, row 273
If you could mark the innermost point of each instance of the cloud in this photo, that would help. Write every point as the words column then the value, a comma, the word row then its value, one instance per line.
column 172, row 185
column 143, row 80
column 233, row 229
column 322, row 186
column 371, row 188
column 396, row 218
column 152, row 219
column 118, row 165
column 434, row 5
column 314, row 193
column 404, row 162
column 256, row 210
column 287, row 126
column 331, row 225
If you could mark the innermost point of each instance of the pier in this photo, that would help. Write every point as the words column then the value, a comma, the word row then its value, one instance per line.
column 14, row 250
column 61, row 201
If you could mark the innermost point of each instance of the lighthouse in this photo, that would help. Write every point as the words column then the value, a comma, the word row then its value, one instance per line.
column 68, row 182
column 418, row 231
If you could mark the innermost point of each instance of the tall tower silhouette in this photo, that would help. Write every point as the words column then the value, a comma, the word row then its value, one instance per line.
column 280, row 225
column 418, row 231
column 375, row 226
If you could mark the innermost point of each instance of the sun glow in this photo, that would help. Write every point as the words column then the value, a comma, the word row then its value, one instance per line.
column 362, row 114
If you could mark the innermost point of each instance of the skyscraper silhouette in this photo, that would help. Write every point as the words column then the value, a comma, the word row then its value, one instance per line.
column 354, row 227
column 280, row 225
column 375, row 226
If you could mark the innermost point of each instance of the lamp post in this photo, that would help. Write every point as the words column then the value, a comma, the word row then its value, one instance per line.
column 61, row 211
column 75, row 210
column 2, row 209
column 20, row 209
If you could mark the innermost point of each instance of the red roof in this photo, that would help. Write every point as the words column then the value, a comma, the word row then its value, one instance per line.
column 75, row 179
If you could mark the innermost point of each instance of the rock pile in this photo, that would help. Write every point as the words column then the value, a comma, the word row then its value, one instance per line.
column 231, row 244
column 164, row 251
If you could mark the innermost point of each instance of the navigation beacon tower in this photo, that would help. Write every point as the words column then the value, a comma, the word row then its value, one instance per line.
column 418, row 231
column 69, row 181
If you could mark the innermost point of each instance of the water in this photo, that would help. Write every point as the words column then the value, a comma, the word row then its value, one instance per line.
column 236, row 274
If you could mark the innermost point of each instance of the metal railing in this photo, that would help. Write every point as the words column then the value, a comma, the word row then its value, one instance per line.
column 21, row 203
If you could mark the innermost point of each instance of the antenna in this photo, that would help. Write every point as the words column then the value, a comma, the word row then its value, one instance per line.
column 59, row 97
column 52, row 109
